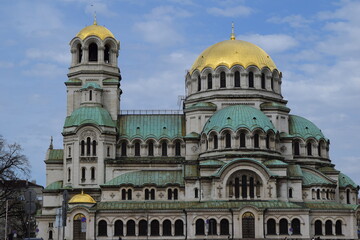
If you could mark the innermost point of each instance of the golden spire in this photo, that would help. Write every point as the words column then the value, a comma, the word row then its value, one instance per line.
column 232, row 37
column 95, row 22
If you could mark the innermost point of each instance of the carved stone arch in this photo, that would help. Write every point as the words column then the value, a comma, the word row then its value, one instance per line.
column 112, row 43
column 254, row 69
column 206, row 71
column 275, row 74
column 242, row 130
column 87, row 131
column 74, row 43
column 93, row 39
column 222, row 68
column 237, row 67
column 267, row 71
column 137, row 139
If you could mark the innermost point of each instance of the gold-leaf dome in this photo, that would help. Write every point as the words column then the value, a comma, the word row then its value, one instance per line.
column 95, row 30
column 82, row 198
column 233, row 52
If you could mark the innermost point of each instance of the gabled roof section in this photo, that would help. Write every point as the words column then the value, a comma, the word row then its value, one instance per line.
column 90, row 115
column 310, row 178
column 56, row 154
column 345, row 181
column 147, row 177
column 152, row 126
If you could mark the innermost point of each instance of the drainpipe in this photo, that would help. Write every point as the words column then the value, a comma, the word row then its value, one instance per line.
column 232, row 223
column 186, row 223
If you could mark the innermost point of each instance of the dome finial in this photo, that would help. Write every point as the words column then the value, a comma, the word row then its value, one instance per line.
column 51, row 143
column 95, row 22
column 232, row 37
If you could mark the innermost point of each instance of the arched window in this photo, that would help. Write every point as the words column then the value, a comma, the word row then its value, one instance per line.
column 169, row 193
column 348, row 196
column 290, row 192
column 256, row 140
column 107, row 54
column 155, row 228
column 263, row 86
column 118, row 228
column 244, row 186
column 272, row 83
column 271, row 227
column 175, row 193
column 123, row 194
column 224, row 227
column 179, row 228
column 318, row 227
column 212, row 227
column 196, row 192
column 328, row 227
column 267, row 141
column 80, row 53
column 283, row 225
column 251, row 79
column 94, row 148
column 152, row 194
column 237, row 79
column 129, row 194
column 102, row 228
column 93, row 52
column 92, row 171
column 338, row 227
column 50, row 234
column 146, row 194
column 108, row 151
column 82, row 148
column 69, row 174
column 215, row 142
column 88, row 146
column 137, row 149
column 166, row 228
column 237, row 187
column 164, row 149
column 319, row 150
column 318, row 194
column 200, row 227
column 143, row 228
column 327, row 194
column 242, row 140
column 151, row 149
column 130, row 228
column 309, row 149
column 209, row 81
column 295, row 225
column 123, row 149
column 90, row 95
column 227, row 140
column 177, row 149
column 199, row 83
column 222, row 80
column 83, row 174
column 296, row 148
column 251, row 187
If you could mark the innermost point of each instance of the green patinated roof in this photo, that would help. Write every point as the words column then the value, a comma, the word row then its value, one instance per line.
column 239, row 160
column 303, row 128
column 310, row 178
column 72, row 80
column 327, row 169
column 110, row 80
column 345, row 181
column 192, row 135
column 273, row 105
column 94, row 115
column 202, row 105
column 141, row 178
column 330, row 206
column 92, row 85
column 152, row 126
column 211, row 163
column 294, row 171
column 275, row 162
column 56, row 154
column 54, row 185
column 238, row 116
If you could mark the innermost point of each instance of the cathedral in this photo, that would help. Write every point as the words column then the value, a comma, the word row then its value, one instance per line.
column 232, row 164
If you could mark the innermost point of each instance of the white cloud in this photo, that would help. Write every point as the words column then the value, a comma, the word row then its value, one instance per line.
column 238, row 11
column 62, row 56
column 272, row 43
column 295, row 21
column 4, row 64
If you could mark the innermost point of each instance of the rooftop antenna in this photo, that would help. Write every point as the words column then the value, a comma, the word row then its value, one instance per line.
column 232, row 37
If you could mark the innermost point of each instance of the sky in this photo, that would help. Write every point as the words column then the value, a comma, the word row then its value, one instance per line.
column 315, row 44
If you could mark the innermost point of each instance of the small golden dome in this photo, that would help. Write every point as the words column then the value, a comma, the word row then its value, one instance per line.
column 82, row 198
column 95, row 30
column 233, row 52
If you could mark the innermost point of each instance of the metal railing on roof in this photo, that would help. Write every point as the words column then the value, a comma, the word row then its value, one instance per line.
column 144, row 112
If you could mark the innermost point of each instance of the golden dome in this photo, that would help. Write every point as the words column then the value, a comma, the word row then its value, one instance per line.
column 95, row 30
column 233, row 52
column 82, row 198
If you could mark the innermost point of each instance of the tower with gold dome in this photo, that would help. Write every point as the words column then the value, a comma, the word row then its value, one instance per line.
column 234, row 164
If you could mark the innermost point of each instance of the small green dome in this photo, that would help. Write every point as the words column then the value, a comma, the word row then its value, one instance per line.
column 93, row 115
column 91, row 85
column 238, row 116
column 303, row 128
column 345, row 181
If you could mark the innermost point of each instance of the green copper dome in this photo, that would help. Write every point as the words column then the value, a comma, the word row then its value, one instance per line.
column 238, row 116
column 303, row 128
column 93, row 115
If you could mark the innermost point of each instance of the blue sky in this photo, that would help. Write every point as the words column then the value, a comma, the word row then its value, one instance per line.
column 314, row 43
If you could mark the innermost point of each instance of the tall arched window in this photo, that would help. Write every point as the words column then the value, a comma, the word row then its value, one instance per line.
column 256, row 140
column 107, row 54
column 222, row 80
column 251, row 187
column 146, row 194
column 244, row 186
column 224, row 227
column 177, row 149
column 152, row 194
column 88, row 146
column 164, row 149
column 102, row 228
column 338, row 227
column 263, row 86
column 196, row 193
column 175, row 193
column 80, row 53
column 290, row 192
column 92, row 173
column 295, row 225
column 251, row 79
column 94, row 148
column 267, row 141
column 209, row 81
column 348, row 196
column 179, row 228
column 118, row 228
column 199, row 227
column 328, row 227
column 93, row 52
column 82, row 148
column 199, row 83
column 215, row 142
column 151, row 149
column 227, row 140
column 123, row 149
column 242, row 140
column 309, row 149
column 169, row 193
column 272, row 83
column 319, row 149
column 318, row 227
column 237, row 187
column 123, row 194
column 130, row 228
column 212, row 227
column 318, row 194
column 143, row 228
column 129, row 194
column 296, row 148
column 108, row 151
column 237, row 79
column 271, row 227
column 283, row 225
column 166, row 228
column 90, row 95
column 83, row 174
column 137, row 149
column 50, row 234
column 69, row 174
column 154, row 228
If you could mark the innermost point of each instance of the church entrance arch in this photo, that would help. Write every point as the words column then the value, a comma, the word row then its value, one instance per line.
column 248, row 225
column 79, row 231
